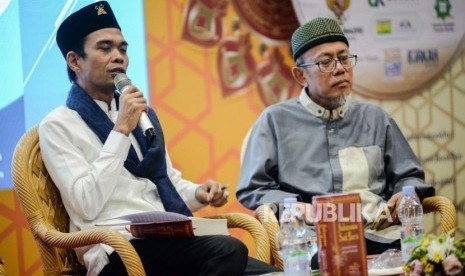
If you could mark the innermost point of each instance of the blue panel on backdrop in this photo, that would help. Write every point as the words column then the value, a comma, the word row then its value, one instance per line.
column 10, row 55
column 46, row 82
column 35, row 70
column 12, row 126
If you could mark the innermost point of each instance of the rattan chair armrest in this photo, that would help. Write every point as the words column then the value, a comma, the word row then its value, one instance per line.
column 94, row 236
column 446, row 209
column 256, row 230
column 268, row 219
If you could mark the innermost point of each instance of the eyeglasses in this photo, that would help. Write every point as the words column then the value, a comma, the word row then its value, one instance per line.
column 328, row 65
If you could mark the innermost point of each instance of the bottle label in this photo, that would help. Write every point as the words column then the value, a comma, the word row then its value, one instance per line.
column 410, row 238
column 296, row 261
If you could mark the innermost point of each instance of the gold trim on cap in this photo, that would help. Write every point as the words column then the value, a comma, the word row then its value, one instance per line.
column 100, row 9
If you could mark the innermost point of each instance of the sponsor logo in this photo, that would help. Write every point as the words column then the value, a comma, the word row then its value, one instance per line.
column 444, row 27
column 376, row 3
column 393, row 68
column 383, row 3
column 383, row 27
column 423, row 56
column 338, row 7
column 405, row 25
column 442, row 8
column 353, row 30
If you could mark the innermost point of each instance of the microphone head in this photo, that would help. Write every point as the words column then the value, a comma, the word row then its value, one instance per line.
column 121, row 81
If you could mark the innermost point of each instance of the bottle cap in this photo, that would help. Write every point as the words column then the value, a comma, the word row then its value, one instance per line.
column 408, row 190
column 288, row 201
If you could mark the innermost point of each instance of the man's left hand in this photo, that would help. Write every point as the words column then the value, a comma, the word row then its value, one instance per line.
column 392, row 205
column 212, row 193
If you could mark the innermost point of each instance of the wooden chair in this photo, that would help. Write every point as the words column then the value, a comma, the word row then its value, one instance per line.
column 265, row 214
column 49, row 221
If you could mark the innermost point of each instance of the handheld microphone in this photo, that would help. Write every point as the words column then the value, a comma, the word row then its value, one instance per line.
column 121, row 83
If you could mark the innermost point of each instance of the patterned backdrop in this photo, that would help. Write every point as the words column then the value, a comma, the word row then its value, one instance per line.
column 213, row 66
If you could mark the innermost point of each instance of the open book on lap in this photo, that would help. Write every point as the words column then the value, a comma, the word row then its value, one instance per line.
column 158, row 224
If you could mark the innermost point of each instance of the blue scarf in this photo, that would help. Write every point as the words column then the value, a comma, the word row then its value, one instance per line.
column 152, row 166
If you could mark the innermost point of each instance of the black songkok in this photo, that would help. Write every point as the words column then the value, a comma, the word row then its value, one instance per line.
column 79, row 24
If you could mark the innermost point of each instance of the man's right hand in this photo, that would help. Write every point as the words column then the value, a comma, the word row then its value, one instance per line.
column 131, row 105
column 392, row 216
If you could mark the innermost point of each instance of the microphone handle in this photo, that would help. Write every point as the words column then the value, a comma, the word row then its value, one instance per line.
column 122, row 82
column 146, row 126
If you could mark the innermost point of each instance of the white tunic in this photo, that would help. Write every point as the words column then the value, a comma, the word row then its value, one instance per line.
column 93, row 182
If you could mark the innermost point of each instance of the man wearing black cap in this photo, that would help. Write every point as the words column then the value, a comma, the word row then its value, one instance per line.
column 324, row 143
column 105, row 167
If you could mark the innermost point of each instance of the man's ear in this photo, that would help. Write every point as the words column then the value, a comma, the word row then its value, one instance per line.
column 72, row 59
column 298, row 75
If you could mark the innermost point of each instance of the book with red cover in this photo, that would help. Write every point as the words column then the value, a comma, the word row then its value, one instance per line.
column 157, row 224
column 340, row 235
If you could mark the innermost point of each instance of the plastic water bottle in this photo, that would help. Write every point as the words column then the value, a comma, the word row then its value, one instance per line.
column 293, row 240
column 410, row 215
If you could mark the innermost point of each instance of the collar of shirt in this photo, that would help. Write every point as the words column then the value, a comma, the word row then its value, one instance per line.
column 320, row 111
column 111, row 112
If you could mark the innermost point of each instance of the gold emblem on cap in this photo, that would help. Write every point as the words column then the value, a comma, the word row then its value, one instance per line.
column 100, row 9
